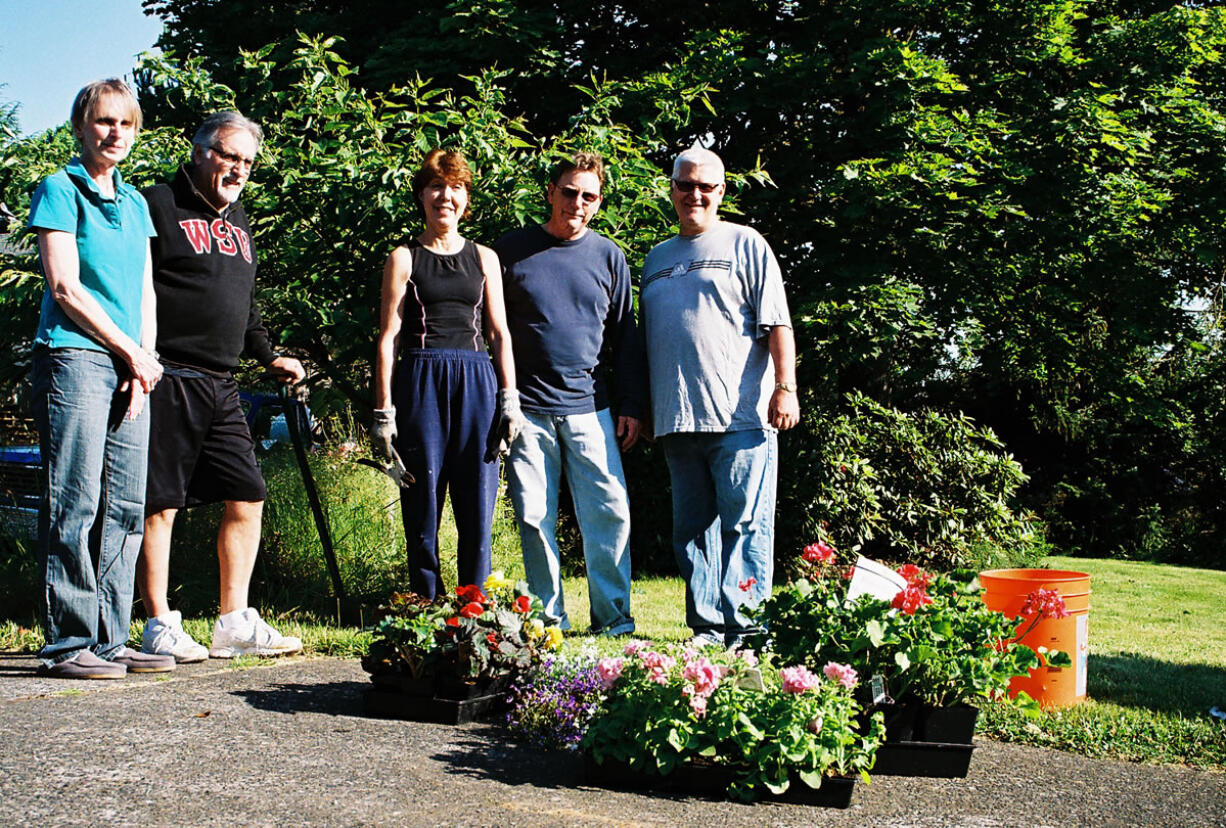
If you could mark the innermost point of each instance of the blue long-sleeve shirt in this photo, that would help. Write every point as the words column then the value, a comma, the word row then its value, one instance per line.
column 571, row 317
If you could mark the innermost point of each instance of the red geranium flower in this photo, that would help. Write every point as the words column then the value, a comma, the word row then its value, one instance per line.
column 915, row 576
column 819, row 552
column 523, row 604
column 910, row 599
column 747, row 584
column 492, row 639
column 472, row 610
column 471, row 593
column 453, row 621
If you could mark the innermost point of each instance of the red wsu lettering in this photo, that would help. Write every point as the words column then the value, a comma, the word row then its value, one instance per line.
column 197, row 232
column 230, row 239
column 221, row 232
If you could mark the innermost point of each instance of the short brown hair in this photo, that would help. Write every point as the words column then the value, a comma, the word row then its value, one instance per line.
column 87, row 101
column 583, row 162
column 448, row 166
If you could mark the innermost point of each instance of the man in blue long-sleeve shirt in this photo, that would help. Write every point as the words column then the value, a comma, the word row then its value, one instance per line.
column 571, row 316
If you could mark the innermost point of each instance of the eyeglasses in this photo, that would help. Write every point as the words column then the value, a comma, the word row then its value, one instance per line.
column 233, row 159
column 690, row 186
column 568, row 192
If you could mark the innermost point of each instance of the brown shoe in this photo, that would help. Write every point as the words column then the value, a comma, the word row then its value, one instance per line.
column 138, row 662
column 84, row 665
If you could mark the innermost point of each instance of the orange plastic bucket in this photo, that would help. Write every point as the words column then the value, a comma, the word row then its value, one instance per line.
column 1005, row 590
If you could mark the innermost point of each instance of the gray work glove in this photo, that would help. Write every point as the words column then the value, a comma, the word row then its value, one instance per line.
column 510, row 424
column 383, row 432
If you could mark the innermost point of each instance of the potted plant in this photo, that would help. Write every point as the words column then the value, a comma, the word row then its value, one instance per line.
column 716, row 721
column 461, row 647
column 928, row 654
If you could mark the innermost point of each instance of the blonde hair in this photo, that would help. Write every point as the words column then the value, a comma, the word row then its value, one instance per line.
column 87, row 101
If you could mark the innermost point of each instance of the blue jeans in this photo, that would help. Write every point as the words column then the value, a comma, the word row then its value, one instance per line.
column 723, row 525
column 92, row 518
column 585, row 445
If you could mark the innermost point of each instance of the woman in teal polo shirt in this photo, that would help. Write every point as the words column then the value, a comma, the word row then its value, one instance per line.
column 93, row 365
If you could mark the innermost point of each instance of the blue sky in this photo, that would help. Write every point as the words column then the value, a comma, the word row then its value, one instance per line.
column 49, row 49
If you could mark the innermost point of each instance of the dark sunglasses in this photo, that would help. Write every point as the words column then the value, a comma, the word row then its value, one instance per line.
column 569, row 192
column 690, row 186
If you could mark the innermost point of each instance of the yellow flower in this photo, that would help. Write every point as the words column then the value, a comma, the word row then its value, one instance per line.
column 553, row 638
column 497, row 581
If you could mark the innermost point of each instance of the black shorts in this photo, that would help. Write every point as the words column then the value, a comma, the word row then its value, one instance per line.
column 200, row 449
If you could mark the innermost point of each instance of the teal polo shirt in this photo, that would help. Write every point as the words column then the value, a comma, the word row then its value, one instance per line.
column 112, row 242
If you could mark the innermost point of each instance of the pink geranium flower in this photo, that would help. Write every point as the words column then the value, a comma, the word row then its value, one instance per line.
column 704, row 675
column 1047, row 603
column 657, row 665
column 841, row 673
column 609, row 670
column 798, row 679
column 635, row 646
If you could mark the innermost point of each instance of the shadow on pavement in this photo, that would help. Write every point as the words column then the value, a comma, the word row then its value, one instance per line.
column 341, row 698
column 482, row 754
column 20, row 665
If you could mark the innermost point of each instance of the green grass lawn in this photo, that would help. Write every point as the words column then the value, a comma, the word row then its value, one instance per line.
column 1157, row 658
column 1157, row 664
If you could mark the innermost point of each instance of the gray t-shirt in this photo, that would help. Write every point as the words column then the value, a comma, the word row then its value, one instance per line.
column 708, row 303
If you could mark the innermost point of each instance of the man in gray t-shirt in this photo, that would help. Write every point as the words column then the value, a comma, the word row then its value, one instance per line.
column 716, row 322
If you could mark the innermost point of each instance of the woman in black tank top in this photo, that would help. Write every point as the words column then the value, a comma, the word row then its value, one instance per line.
column 434, row 381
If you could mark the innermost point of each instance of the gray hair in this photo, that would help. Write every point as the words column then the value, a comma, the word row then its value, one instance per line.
column 219, row 122
column 698, row 157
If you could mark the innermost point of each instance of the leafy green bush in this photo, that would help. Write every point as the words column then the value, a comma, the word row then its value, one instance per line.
column 898, row 486
column 18, row 570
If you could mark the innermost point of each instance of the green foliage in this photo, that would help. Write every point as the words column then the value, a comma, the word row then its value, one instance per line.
column 748, row 722
column 1011, row 210
column 945, row 648
column 919, row 487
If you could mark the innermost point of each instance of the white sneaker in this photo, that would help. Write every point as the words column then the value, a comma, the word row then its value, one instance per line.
column 245, row 633
column 164, row 635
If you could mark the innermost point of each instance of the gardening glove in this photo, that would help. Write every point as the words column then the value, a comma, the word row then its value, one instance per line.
column 383, row 432
column 510, row 424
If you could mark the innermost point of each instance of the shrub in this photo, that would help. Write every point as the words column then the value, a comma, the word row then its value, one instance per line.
column 923, row 487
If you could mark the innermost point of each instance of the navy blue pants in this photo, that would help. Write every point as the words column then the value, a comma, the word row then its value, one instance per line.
column 445, row 407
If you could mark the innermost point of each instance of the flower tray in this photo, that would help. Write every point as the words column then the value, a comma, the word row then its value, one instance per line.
column 444, row 700
column 389, row 704
column 932, row 759
column 917, row 722
column 713, row 781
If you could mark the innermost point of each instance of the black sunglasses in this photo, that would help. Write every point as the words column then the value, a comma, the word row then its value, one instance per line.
column 690, row 186
column 568, row 192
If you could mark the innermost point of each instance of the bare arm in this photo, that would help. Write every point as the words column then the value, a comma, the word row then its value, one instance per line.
column 496, row 333
column 62, row 267
column 395, row 279
column 148, row 306
column 784, row 408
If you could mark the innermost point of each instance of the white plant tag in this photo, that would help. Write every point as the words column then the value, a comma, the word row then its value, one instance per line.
column 875, row 579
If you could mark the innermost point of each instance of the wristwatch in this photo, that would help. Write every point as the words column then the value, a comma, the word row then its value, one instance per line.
column 786, row 386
